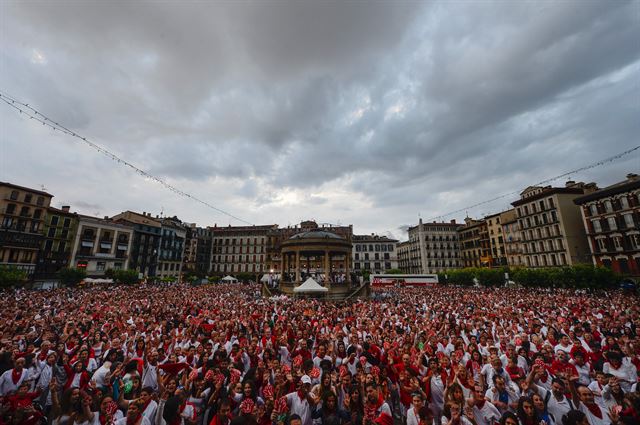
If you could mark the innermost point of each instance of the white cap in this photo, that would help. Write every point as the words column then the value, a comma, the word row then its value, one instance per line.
column 305, row 379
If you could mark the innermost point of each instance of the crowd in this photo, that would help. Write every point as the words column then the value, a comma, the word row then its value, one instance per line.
column 147, row 355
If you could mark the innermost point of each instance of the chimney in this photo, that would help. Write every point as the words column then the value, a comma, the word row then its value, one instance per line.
column 106, row 217
column 569, row 183
column 632, row 177
column 144, row 213
column 66, row 208
column 453, row 221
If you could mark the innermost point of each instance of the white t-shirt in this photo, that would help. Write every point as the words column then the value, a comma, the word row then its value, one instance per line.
column 486, row 415
column 299, row 407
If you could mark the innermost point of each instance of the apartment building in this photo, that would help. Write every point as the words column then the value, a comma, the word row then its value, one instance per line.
column 551, row 226
column 60, row 228
column 22, row 214
column 475, row 245
column 171, row 251
column 374, row 253
column 611, row 220
column 431, row 248
column 240, row 249
column 100, row 245
column 146, row 241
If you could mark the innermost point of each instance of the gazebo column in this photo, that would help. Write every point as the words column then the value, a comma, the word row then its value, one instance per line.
column 298, row 266
column 327, row 270
column 347, row 260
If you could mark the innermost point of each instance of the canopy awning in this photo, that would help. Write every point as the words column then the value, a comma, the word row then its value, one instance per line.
column 310, row 285
column 229, row 279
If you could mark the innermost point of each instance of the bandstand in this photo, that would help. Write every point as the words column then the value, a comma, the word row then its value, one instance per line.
column 322, row 256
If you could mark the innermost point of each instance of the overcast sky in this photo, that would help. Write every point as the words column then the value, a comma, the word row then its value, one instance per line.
column 363, row 113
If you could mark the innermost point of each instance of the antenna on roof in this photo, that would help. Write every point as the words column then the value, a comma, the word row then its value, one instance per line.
column 42, row 188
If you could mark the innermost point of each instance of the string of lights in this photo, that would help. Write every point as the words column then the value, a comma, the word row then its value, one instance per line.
column 33, row 114
column 541, row 183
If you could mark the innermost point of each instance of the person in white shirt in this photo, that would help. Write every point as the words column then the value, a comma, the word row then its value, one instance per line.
column 413, row 414
column 134, row 416
column 301, row 401
column 12, row 378
column 583, row 399
column 621, row 368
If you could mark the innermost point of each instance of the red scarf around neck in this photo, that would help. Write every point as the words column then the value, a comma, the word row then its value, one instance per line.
column 15, row 376
column 594, row 409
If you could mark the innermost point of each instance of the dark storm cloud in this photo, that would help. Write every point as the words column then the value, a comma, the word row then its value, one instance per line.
column 371, row 113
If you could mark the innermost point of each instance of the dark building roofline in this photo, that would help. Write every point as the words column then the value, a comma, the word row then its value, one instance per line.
column 15, row 186
column 614, row 189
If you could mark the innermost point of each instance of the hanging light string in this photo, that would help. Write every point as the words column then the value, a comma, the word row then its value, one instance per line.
column 541, row 183
column 33, row 114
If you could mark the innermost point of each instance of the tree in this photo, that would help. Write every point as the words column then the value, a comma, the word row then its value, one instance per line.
column 71, row 276
column 393, row 271
column 10, row 275
column 126, row 277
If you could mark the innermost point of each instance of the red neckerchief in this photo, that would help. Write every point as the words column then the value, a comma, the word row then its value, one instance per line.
column 594, row 409
column 480, row 403
column 103, row 419
column 15, row 376
column 139, row 352
column 146, row 404
column 302, row 397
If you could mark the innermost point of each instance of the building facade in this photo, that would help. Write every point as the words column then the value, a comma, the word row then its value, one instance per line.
column 373, row 253
column 203, row 251
column 190, row 248
column 170, row 255
column 240, row 249
column 551, row 226
column 512, row 240
column 611, row 219
column 146, row 241
column 22, row 214
column 60, row 228
column 496, row 237
column 432, row 248
column 100, row 245
column 475, row 245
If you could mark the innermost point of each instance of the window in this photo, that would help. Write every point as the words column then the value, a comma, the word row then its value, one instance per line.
column 551, row 204
column 67, row 222
column 14, row 195
column 52, row 232
column 594, row 209
column 628, row 221
column 635, row 241
column 100, row 266
column 366, row 256
column 607, row 206
column 617, row 242
column 54, row 220
column 612, row 223
column 37, row 214
column 48, row 244
column 602, row 245
column 117, row 266
column 357, row 257
column 62, row 246
column 624, row 202
column 11, row 208
column 596, row 226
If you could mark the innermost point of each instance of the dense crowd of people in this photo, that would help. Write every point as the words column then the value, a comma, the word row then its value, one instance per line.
column 220, row 355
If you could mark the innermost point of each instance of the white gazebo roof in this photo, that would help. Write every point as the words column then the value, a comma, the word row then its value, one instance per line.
column 310, row 285
column 229, row 279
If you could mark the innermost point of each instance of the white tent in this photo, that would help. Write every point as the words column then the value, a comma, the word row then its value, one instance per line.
column 229, row 279
column 265, row 277
column 90, row 280
column 310, row 286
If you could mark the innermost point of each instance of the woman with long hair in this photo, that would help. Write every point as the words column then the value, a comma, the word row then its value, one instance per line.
column 526, row 412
